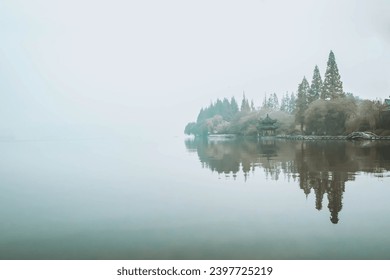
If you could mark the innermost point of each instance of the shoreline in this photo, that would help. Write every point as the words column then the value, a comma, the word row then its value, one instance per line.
column 355, row 136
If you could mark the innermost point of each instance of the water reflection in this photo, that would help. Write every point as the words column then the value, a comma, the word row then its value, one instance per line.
column 321, row 167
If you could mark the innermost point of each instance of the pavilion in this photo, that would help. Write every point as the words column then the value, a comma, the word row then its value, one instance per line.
column 267, row 126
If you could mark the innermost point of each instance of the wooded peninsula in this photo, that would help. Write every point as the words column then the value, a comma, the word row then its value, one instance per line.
column 317, row 109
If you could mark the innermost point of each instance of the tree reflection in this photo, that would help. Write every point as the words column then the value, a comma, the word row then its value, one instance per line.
column 320, row 167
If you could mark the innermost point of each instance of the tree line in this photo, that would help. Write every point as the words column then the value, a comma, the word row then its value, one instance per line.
column 319, row 108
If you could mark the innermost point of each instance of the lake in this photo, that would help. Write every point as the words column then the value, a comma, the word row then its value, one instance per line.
column 175, row 198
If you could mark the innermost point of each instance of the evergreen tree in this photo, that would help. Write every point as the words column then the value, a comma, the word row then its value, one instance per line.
column 292, row 103
column 332, row 87
column 226, row 110
column 264, row 104
column 201, row 116
column 301, row 102
column 210, row 111
column 234, row 106
column 316, row 86
column 283, row 103
column 275, row 101
column 270, row 102
column 252, row 106
column 245, row 105
column 218, row 108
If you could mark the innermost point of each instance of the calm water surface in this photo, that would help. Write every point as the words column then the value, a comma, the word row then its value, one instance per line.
column 194, row 199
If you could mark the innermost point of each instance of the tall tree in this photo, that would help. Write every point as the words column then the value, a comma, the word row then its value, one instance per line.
column 234, row 106
column 265, row 104
column 275, row 101
column 316, row 86
column 292, row 103
column 226, row 110
column 270, row 102
column 284, row 103
column 201, row 116
column 218, row 108
column 332, row 87
column 301, row 102
column 252, row 106
column 245, row 104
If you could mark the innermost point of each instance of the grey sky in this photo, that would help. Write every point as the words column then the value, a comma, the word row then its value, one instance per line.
column 152, row 64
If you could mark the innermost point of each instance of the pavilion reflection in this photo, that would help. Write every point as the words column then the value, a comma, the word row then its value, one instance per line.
column 320, row 167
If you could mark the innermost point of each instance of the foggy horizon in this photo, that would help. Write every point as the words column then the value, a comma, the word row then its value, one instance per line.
column 149, row 66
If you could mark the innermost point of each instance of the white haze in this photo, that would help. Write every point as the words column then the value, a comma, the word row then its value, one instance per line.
column 80, row 68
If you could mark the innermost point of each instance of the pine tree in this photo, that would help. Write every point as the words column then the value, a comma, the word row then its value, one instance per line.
column 275, row 101
column 210, row 111
column 265, row 104
column 234, row 106
column 332, row 87
column 226, row 110
column 252, row 106
column 201, row 116
column 285, row 103
column 245, row 105
column 218, row 107
column 301, row 102
column 270, row 102
column 315, row 87
column 292, row 103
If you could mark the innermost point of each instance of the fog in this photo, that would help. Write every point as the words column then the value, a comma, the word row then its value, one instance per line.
column 96, row 68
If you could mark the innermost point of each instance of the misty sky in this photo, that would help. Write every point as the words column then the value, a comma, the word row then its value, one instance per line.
column 150, row 65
